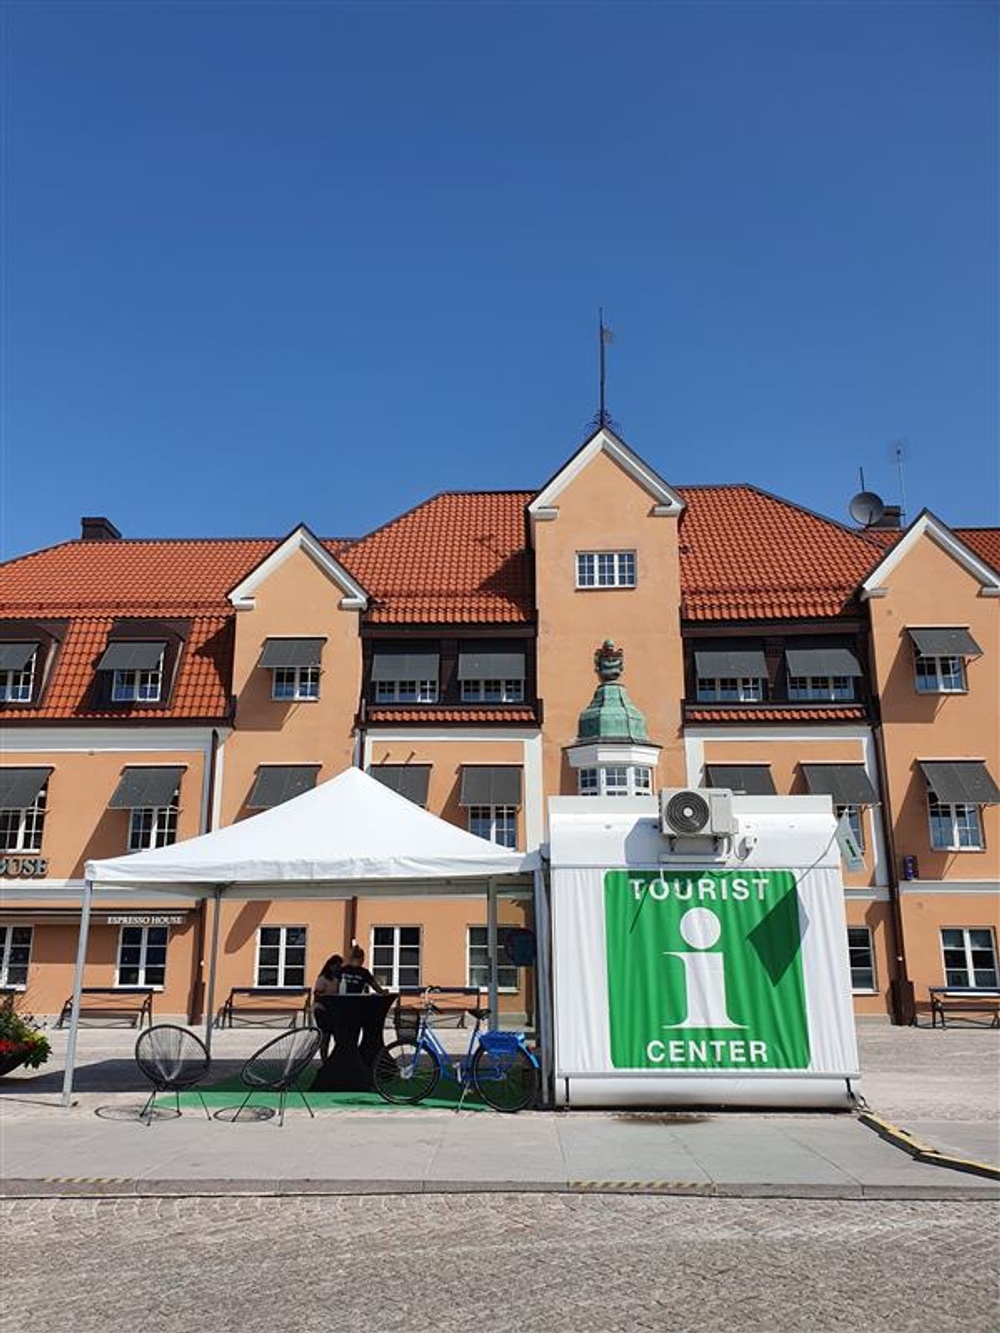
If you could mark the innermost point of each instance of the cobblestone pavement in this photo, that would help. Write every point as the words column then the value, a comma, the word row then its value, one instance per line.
column 929, row 1073
column 499, row 1263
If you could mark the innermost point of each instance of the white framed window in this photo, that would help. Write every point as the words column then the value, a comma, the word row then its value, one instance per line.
column 955, row 825
column 498, row 823
column 821, row 688
column 137, row 686
column 477, row 963
column 296, row 683
column 395, row 956
column 15, row 955
column 970, row 956
column 281, row 956
column 605, row 569
column 940, row 675
column 854, row 815
column 492, row 691
column 152, row 827
column 21, row 829
column 142, row 956
column 615, row 780
column 730, row 689
column 862, row 956
column 406, row 691
column 16, row 686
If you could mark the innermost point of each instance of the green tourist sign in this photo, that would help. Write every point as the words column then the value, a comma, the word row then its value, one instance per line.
column 705, row 970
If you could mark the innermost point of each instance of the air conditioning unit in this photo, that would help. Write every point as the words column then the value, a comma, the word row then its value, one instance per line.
column 696, row 813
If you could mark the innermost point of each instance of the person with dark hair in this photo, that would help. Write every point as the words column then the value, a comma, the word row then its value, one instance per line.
column 327, row 983
column 355, row 979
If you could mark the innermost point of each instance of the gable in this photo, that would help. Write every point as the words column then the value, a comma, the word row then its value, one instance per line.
column 353, row 597
column 667, row 503
column 927, row 528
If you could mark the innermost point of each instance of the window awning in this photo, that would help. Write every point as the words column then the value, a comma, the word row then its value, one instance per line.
column 128, row 655
column 944, row 642
column 409, row 780
column 822, row 662
column 146, row 788
column 16, row 656
column 291, row 653
column 726, row 663
column 475, row 665
column 485, row 784
column 960, row 780
column 276, row 783
column 405, row 666
column 847, row 784
column 20, row 786
column 751, row 779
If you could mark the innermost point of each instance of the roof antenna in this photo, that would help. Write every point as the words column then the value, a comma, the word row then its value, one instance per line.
column 898, row 452
column 605, row 337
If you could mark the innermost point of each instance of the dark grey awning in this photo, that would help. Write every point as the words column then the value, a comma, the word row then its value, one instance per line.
column 484, row 784
column 20, row 786
column 405, row 666
column 945, row 642
column 848, row 784
column 146, row 788
column 276, row 783
column 822, row 662
column 409, row 780
column 127, row 655
column 965, row 780
column 291, row 653
column 753, row 779
column 726, row 663
column 16, row 656
column 490, row 666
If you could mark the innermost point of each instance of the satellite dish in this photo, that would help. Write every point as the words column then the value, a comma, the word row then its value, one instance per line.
column 866, row 508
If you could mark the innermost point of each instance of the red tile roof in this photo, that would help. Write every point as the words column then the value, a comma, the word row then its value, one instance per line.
column 460, row 558
column 426, row 716
column 984, row 541
column 748, row 555
column 839, row 713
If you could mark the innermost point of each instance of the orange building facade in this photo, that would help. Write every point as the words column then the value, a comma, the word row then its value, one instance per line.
column 153, row 690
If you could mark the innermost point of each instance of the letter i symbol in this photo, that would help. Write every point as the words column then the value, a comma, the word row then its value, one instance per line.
column 704, row 978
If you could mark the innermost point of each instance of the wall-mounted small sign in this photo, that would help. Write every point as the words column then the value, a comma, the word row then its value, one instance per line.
column 148, row 919
column 24, row 867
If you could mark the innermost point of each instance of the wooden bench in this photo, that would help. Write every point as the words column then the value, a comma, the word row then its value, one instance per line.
column 964, row 999
column 134, row 1003
column 255, row 1005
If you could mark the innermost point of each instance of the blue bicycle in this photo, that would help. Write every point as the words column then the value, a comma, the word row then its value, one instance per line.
column 498, row 1065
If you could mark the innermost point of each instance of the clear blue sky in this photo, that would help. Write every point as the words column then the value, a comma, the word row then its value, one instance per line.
column 272, row 263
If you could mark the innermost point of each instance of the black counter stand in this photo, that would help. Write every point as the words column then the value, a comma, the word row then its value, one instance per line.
column 355, row 1022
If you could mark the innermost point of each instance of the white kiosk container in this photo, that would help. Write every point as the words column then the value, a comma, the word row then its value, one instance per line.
column 700, row 970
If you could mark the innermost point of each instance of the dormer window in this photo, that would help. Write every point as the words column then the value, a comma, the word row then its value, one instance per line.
column 17, row 672
column 605, row 569
column 491, row 676
column 730, row 675
column 295, row 668
column 405, row 678
column 135, row 669
column 939, row 659
column 821, row 675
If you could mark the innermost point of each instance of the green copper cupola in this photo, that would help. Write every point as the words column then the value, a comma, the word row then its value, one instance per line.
column 611, row 715
column 612, row 753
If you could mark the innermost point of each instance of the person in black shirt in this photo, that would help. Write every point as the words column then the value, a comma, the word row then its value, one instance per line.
column 355, row 979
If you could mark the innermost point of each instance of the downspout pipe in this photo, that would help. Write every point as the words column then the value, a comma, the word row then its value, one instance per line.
column 900, row 988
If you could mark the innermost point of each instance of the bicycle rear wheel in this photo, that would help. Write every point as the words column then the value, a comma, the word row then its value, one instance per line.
column 506, row 1080
column 405, row 1073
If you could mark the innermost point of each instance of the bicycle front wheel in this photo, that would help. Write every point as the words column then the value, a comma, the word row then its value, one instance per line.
column 405, row 1073
column 506, row 1080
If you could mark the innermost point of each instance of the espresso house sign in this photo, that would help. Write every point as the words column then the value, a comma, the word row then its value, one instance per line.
column 24, row 867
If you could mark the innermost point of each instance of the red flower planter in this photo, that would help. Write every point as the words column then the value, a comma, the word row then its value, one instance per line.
column 9, row 1060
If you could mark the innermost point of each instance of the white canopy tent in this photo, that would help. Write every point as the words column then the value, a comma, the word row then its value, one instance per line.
column 347, row 837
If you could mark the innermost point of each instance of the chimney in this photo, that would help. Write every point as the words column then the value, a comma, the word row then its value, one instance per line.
column 98, row 530
column 892, row 517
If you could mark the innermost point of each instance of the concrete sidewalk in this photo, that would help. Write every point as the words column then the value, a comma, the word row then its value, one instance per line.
column 47, row 1149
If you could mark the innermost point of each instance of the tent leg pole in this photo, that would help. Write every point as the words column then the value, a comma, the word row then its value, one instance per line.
column 543, row 984
column 212, row 960
column 74, row 1022
column 492, row 935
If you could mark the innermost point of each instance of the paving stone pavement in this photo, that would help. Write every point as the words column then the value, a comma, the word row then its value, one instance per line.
column 500, row 1263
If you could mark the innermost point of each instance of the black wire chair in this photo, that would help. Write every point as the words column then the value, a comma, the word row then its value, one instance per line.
column 174, row 1060
column 277, row 1066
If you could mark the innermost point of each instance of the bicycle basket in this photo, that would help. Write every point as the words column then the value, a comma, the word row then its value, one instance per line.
column 501, row 1043
column 407, row 1021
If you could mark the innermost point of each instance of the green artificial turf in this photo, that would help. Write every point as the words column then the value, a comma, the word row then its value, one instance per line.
column 230, row 1092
